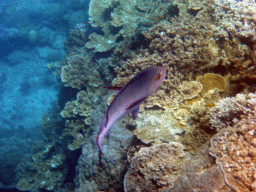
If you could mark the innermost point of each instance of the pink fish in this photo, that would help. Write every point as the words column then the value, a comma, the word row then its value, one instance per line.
column 129, row 99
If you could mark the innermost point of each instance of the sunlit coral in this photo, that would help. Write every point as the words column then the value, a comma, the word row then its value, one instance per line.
column 211, row 81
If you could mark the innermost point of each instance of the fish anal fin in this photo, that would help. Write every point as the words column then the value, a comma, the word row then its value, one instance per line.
column 137, row 103
column 135, row 113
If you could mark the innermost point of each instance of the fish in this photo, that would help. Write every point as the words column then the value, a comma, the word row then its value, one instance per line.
column 129, row 98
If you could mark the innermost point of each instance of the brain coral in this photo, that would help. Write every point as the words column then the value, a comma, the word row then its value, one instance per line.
column 155, row 168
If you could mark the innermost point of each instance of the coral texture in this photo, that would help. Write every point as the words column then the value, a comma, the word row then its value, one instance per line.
column 78, row 131
column 228, row 110
column 89, row 175
column 46, row 171
column 234, row 144
column 155, row 168
column 122, row 18
column 201, row 174
column 236, row 17
column 80, row 72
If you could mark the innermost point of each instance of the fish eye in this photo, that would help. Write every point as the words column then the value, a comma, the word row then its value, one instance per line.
column 158, row 76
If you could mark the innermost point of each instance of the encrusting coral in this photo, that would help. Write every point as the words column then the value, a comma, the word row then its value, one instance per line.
column 155, row 168
column 234, row 144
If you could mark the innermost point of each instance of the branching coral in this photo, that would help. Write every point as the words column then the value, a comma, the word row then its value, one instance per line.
column 231, row 109
column 234, row 145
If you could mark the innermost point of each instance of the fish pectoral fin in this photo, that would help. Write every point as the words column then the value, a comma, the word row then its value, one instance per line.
column 135, row 113
column 137, row 103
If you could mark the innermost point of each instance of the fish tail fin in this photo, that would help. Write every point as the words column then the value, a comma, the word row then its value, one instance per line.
column 100, row 158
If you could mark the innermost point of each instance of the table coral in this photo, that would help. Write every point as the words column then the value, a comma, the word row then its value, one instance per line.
column 190, row 89
column 155, row 168
column 156, row 126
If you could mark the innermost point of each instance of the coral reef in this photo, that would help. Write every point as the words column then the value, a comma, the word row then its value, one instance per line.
column 168, row 94
column 78, row 131
column 234, row 145
column 156, row 126
column 155, row 168
column 80, row 109
column 80, row 72
column 238, row 18
column 201, row 174
column 83, row 106
column 119, row 18
column 47, row 170
column 228, row 110
column 89, row 175
column 101, row 43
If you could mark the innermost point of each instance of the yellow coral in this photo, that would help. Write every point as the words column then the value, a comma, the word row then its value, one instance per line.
column 211, row 81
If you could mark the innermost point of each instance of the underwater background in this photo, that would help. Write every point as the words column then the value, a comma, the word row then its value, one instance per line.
column 197, row 133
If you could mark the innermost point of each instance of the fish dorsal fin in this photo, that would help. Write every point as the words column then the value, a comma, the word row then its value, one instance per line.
column 137, row 103
column 115, row 89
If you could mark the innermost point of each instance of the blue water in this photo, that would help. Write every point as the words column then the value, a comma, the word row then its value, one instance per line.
column 32, row 33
